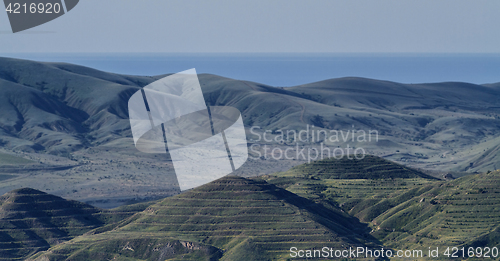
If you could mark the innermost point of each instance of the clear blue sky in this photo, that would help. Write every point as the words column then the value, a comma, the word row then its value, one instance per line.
column 460, row 26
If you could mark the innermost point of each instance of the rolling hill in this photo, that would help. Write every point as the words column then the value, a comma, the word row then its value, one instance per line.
column 247, row 219
column 337, row 203
column 75, row 119
column 369, row 167
column 405, row 211
column 47, row 103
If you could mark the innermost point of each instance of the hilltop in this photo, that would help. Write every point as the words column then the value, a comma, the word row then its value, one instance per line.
column 248, row 219
column 366, row 167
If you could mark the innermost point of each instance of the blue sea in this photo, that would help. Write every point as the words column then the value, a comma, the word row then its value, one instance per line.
column 290, row 69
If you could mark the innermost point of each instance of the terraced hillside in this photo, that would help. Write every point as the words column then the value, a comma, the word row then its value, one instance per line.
column 367, row 167
column 31, row 221
column 462, row 212
column 405, row 211
column 241, row 219
column 347, row 182
column 249, row 220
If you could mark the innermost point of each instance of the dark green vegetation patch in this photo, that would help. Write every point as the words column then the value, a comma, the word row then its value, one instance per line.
column 409, row 212
column 366, row 167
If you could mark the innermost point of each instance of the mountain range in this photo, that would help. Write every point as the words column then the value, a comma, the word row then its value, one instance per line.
column 71, row 123
column 58, row 108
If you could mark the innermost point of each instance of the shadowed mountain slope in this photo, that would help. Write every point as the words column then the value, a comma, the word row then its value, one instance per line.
column 31, row 221
column 247, row 218
column 56, row 107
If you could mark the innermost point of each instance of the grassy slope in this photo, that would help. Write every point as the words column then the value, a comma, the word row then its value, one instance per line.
column 10, row 160
column 412, row 212
column 454, row 213
column 7, row 159
column 245, row 218
column 255, row 219
column 31, row 220
column 369, row 167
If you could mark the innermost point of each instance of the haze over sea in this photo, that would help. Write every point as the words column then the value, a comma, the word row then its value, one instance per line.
column 290, row 69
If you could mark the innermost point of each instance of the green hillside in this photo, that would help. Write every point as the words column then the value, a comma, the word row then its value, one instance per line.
column 368, row 167
column 463, row 212
column 7, row 159
column 408, row 212
column 246, row 219
column 31, row 221
column 235, row 218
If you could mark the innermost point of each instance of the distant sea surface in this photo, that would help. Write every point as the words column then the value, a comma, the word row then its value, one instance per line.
column 290, row 69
